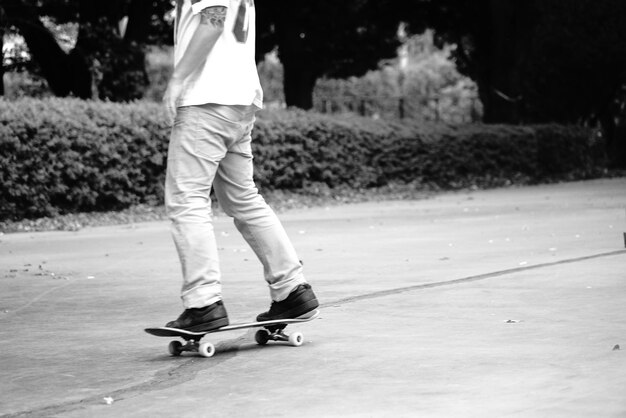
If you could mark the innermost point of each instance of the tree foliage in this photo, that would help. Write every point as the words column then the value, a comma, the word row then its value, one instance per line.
column 107, row 60
column 538, row 61
column 533, row 61
column 64, row 156
column 421, row 84
column 532, row 57
column 318, row 38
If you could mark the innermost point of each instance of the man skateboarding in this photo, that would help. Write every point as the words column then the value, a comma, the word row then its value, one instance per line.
column 211, row 99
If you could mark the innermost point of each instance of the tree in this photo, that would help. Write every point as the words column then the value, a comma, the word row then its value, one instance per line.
column 107, row 55
column 318, row 38
column 1, row 64
column 114, row 53
column 537, row 61
column 53, row 61
column 491, row 38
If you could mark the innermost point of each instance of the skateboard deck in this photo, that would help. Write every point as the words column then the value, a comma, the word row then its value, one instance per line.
column 272, row 331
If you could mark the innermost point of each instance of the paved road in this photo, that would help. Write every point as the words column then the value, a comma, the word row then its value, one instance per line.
column 505, row 302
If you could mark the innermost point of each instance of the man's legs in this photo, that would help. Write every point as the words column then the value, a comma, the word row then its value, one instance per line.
column 211, row 146
column 197, row 145
column 260, row 227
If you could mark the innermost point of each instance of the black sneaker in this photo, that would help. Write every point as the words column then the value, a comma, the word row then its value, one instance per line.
column 300, row 301
column 201, row 319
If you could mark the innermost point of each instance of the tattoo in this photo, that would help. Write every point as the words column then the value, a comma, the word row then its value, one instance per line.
column 214, row 16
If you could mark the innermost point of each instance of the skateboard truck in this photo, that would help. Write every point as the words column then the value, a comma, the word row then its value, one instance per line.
column 262, row 336
column 192, row 345
column 275, row 333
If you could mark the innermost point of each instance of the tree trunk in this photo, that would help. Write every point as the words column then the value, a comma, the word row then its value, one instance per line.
column 1, row 63
column 82, row 79
column 300, row 69
column 617, row 148
column 498, row 106
column 614, row 132
column 117, row 65
column 61, row 71
column 501, row 50
column 139, row 15
column 299, row 81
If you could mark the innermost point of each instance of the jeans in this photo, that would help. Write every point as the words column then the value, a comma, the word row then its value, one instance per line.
column 210, row 147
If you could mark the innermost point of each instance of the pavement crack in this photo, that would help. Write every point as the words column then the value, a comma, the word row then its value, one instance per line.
column 187, row 370
column 163, row 379
column 36, row 299
column 479, row 277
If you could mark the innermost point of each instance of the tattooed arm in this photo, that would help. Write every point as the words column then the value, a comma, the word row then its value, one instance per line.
column 209, row 30
column 202, row 42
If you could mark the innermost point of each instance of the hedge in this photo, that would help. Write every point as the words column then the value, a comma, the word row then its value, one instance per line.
column 295, row 148
column 59, row 156
column 65, row 155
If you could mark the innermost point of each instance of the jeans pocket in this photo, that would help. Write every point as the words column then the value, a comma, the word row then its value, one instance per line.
column 209, row 148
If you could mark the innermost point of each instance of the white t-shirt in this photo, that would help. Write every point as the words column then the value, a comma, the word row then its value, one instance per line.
column 229, row 76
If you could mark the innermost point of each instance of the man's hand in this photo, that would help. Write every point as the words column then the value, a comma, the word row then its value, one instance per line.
column 171, row 97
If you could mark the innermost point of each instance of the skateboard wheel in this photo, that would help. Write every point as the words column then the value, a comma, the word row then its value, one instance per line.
column 296, row 339
column 175, row 348
column 206, row 349
column 262, row 336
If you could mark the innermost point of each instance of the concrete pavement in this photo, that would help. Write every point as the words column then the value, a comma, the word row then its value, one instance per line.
column 506, row 302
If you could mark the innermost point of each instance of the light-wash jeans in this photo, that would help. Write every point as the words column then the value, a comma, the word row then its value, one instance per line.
column 210, row 146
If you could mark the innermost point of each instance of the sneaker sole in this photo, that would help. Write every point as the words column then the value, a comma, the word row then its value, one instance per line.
column 308, row 314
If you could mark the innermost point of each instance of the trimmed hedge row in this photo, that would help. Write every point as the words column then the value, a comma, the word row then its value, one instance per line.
column 296, row 148
column 60, row 156
column 64, row 155
column 493, row 155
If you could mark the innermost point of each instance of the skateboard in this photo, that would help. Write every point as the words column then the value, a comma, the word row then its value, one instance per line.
column 272, row 331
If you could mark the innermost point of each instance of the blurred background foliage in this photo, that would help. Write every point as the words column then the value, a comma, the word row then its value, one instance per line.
column 527, row 58
column 61, row 156
column 451, row 61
